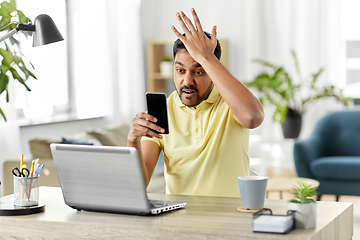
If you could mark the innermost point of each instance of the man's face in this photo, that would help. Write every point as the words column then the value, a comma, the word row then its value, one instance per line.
column 191, row 81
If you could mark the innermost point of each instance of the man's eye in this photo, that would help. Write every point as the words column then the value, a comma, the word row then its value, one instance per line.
column 200, row 72
column 179, row 70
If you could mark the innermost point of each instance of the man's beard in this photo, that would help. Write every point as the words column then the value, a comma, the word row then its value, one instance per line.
column 199, row 99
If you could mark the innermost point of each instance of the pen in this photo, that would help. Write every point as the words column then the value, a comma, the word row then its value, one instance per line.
column 32, row 168
column 36, row 165
column 38, row 170
column 31, row 175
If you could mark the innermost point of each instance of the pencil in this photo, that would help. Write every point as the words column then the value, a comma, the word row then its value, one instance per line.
column 31, row 175
column 21, row 194
column 21, row 162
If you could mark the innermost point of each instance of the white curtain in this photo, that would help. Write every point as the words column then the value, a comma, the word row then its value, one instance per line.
column 125, row 36
column 107, row 56
column 271, row 29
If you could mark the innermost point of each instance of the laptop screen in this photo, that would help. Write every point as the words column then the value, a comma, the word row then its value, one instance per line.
column 101, row 178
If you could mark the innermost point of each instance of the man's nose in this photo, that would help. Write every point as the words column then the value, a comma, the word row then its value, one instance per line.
column 188, row 79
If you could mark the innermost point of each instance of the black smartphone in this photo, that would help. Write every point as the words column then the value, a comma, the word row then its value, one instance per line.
column 157, row 107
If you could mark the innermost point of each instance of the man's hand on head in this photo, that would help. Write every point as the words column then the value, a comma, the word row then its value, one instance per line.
column 199, row 46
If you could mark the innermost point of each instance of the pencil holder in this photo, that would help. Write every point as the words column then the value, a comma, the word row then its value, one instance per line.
column 26, row 191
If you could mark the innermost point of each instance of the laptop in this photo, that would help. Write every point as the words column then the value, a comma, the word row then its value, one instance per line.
column 105, row 179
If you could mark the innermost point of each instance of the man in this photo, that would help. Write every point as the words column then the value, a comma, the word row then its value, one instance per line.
column 210, row 115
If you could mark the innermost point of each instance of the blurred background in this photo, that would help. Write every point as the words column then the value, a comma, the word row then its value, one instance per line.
column 99, row 75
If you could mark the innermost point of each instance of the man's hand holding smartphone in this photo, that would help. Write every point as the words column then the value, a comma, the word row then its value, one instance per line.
column 151, row 124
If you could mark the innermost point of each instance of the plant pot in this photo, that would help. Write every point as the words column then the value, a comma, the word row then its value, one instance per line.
column 166, row 69
column 292, row 125
column 305, row 215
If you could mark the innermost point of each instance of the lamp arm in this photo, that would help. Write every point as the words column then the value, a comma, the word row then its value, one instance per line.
column 26, row 27
column 9, row 34
column 20, row 27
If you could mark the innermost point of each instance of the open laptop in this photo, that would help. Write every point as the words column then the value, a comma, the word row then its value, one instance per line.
column 105, row 179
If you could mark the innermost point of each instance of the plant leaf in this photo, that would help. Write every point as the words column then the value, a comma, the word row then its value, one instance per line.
column 315, row 78
column 7, row 60
column 16, row 76
column 3, row 114
column 4, row 81
column 12, row 4
column 22, row 17
column 27, row 72
column 303, row 193
column 265, row 63
column 9, row 7
column 297, row 65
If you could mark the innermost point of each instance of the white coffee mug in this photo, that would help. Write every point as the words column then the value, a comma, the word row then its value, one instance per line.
column 253, row 191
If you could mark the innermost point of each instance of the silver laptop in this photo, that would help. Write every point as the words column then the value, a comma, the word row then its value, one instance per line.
column 105, row 179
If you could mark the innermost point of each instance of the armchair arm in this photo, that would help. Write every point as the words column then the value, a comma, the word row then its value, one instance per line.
column 306, row 151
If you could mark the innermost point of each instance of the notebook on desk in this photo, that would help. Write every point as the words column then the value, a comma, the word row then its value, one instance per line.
column 105, row 179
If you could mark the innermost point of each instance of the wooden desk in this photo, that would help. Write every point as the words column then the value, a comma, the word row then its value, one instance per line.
column 202, row 218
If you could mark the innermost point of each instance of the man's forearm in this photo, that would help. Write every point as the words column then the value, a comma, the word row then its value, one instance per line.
column 247, row 109
column 137, row 145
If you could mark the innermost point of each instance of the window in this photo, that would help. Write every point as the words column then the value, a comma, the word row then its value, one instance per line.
column 353, row 61
column 50, row 93
column 351, row 35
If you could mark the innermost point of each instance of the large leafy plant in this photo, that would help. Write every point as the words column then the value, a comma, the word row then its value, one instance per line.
column 278, row 88
column 303, row 193
column 12, row 63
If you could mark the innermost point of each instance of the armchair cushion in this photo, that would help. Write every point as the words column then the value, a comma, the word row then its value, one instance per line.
column 336, row 168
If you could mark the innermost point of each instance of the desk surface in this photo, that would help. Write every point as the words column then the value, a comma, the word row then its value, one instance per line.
column 202, row 218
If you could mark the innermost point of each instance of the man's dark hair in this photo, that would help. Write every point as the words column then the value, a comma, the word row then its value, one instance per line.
column 178, row 44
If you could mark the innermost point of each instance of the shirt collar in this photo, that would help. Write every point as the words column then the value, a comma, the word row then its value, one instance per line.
column 213, row 97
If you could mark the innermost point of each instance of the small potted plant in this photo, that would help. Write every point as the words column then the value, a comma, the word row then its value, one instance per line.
column 166, row 68
column 304, row 203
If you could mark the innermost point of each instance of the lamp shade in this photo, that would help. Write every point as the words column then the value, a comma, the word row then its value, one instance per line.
column 45, row 31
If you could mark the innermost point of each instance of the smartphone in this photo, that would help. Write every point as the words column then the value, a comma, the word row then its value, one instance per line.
column 157, row 107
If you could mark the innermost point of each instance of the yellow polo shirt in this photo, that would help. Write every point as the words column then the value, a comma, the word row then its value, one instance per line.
column 206, row 150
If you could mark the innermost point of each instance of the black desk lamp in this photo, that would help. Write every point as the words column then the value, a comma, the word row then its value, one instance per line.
column 44, row 28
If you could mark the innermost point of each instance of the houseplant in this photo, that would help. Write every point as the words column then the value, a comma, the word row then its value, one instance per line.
column 166, row 67
column 13, row 61
column 304, row 203
column 291, row 99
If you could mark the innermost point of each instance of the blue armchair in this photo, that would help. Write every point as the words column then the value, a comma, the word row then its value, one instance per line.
column 331, row 154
